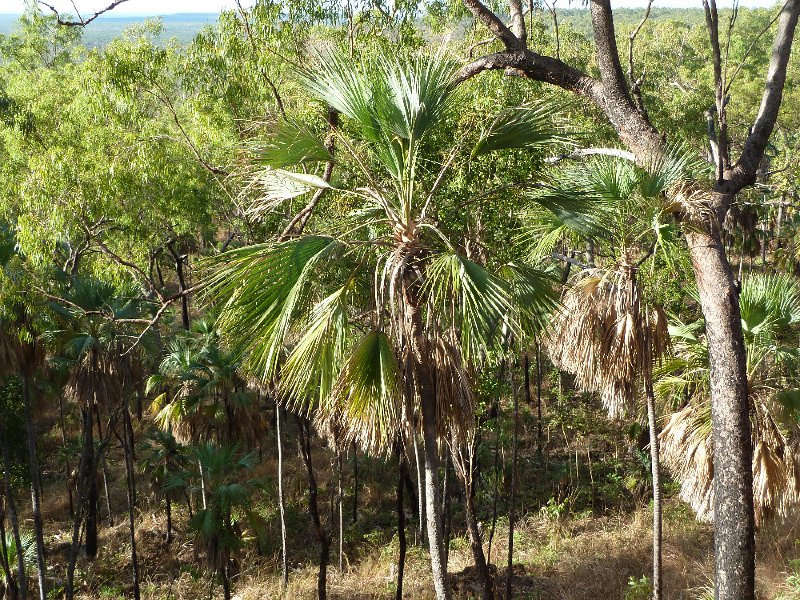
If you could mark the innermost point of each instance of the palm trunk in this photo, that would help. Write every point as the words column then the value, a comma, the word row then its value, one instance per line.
column 202, row 484
column 169, row 519
column 424, row 380
column 226, row 584
column 67, row 469
column 341, row 509
column 281, row 502
column 420, row 490
column 513, row 499
column 446, row 508
column 355, row 484
column 401, row 522
column 734, row 521
column 322, row 535
column 84, row 471
column 131, row 481
column 655, row 465
column 22, row 587
column 104, row 472
column 465, row 472
column 36, row 492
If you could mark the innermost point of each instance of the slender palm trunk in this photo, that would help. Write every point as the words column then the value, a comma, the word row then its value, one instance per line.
column 202, row 484
column 432, row 505
column 323, row 537
column 131, row 481
column 420, row 490
column 104, row 472
column 67, row 469
column 355, row 484
column 446, row 512
column 401, row 522
column 281, row 503
column 424, row 380
column 513, row 498
column 84, row 475
column 21, row 583
column 169, row 519
column 655, row 464
column 465, row 472
column 340, row 507
column 36, row 492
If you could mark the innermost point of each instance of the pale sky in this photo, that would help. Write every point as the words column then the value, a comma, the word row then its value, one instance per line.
column 162, row 7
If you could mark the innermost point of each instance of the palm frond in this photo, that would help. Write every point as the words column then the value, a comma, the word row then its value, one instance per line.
column 260, row 290
column 522, row 127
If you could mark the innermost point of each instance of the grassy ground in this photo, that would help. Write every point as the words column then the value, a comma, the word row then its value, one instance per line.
column 583, row 533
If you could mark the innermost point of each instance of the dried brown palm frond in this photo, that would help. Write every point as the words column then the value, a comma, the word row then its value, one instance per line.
column 687, row 451
column 607, row 336
column 455, row 402
column 685, row 443
column 93, row 381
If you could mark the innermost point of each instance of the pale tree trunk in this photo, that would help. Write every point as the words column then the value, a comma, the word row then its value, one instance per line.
column 131, row 484
column 655, row 467
column 734, row 521
column 281, row 502
column 513, row 498
column 424, row 382
column 401, row 521
column 36, row 492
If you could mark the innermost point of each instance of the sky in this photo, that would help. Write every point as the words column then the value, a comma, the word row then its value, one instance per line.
column 161, row 7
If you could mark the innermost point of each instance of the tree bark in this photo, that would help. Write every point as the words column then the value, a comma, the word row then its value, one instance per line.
column 513, row 498
column 734, row 521
column 323, row 537
column 131, row 484
column 281, row 502
column 36, row 492
column 655, row 467
column 401, row 522
column 424, row 380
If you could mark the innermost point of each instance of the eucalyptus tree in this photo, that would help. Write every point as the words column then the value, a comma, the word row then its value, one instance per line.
column 607, row 332
column 770, row 317
column 380, row 313
column 619, row 96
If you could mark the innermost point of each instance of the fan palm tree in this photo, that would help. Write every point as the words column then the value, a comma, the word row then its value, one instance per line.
column 89, row 323
column 606, row 332
column 163, row 458
column 216, row 528
column 380, row 314
column 770, row 309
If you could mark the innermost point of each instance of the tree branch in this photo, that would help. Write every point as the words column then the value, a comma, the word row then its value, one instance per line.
column 744, row 172
column 81, row 22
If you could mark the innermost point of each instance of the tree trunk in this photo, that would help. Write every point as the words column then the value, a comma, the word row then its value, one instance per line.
column 84, row 468
column 169, row 519
column 475, row 541
column 36, row 492
column 202, row 484
column 340, row 502
column 104, row 472
column 401, row 522
column 226, row 584
column 355, row 484
column 446, row 507
column 513, row 498
column 131, row 481
column 281, row 502
column 655, row 466
column 734, row 521
column 21, row 583
column 421, row 520
column 67, row 469
column 322, row 535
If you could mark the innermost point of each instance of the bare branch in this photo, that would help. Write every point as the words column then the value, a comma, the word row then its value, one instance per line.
column 81, row 22
column 747, row 165
column 495, row 25
column 635, row 82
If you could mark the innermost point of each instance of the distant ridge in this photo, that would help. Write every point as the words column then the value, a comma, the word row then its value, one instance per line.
column 182, row 27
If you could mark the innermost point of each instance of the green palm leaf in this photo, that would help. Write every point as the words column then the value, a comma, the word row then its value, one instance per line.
column 261, row 289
